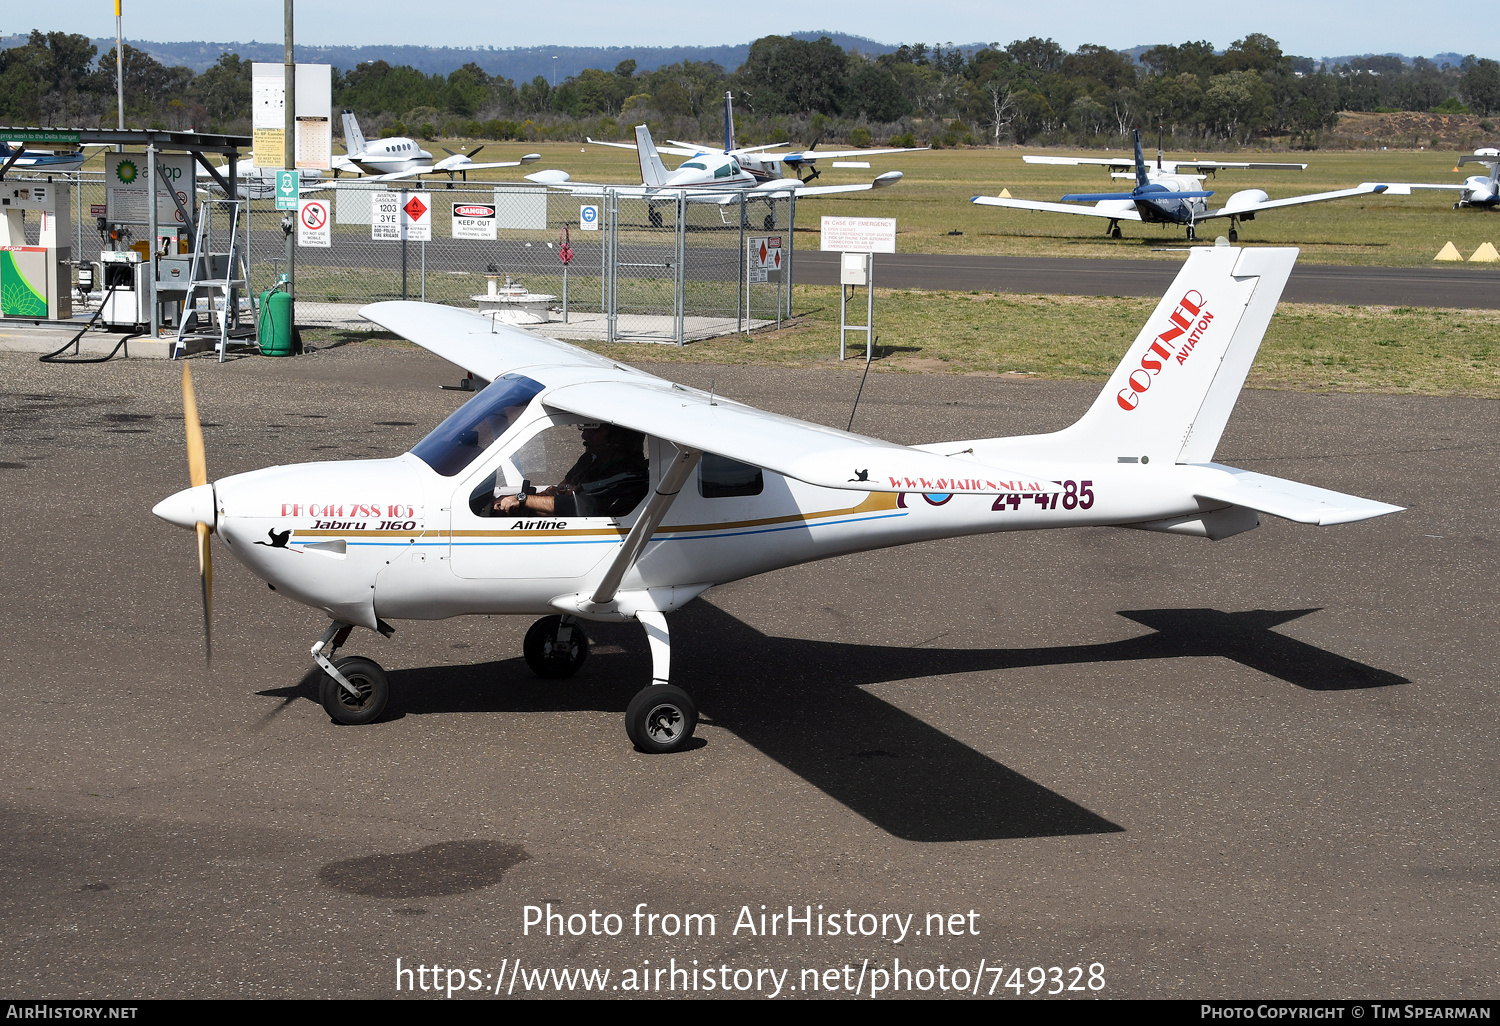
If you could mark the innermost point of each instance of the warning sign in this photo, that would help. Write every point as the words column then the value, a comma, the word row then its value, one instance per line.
column 764, row 259
column 474, row 221
column 385, row 217
column 416, row 217
column 314, row 224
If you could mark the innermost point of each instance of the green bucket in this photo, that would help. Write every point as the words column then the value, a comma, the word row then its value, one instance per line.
column 275, row 323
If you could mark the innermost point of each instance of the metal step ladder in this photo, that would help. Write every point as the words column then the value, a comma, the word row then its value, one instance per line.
column 222, row 293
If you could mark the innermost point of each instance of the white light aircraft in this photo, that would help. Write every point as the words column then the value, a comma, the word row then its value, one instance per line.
column 758, row 161
column 1169, row 197
column 682, row 490
column 398, row 157
column 710, row 178
column 1481, row 191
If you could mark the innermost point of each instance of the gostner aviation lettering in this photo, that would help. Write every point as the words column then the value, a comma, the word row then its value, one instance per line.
column 1165, row 346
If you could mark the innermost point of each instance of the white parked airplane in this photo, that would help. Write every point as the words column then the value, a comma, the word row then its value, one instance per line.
column 398, row 157
column 1482, row 191
column 710, row 178
column 1170, row 197
column 757, row 161
column 680, row 490
column 257, row 183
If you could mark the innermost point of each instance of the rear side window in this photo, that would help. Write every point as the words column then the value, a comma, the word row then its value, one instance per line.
column 720, row 477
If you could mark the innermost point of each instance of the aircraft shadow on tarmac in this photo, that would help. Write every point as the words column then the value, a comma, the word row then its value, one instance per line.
column 801, row 702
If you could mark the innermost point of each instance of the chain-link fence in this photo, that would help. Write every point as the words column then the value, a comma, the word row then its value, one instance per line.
column 652, row 269
column 667, row 268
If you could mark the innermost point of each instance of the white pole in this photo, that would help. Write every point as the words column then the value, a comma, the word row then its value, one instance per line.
column 119, row 71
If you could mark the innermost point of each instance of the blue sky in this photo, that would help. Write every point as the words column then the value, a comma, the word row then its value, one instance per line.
column 1308, row 29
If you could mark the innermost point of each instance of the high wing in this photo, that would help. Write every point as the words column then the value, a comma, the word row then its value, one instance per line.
column 593, row 386
column 1115, row 210
column 818, row 455
column 467, row 339
column 809, row 156
column 1167, row 166
column 676, row 149
column 1252, row 206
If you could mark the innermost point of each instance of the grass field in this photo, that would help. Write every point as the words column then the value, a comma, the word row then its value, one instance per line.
column 1308, row 347
column 933, row 201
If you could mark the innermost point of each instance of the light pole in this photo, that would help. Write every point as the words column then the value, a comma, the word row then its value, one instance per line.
column 119, row 70
column 289, row 162
column 554, row 71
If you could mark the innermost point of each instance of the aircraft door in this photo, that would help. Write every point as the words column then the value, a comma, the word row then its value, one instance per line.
column 576, row 518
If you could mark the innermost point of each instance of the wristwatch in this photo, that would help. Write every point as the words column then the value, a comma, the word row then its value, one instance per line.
column 520, row 500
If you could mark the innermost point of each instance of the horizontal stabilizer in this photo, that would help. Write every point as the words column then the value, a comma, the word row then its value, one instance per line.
column 1291, row 500
column 1094, row 197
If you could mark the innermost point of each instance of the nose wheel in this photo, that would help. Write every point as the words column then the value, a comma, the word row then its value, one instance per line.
column 555, row 647
column 365, row 696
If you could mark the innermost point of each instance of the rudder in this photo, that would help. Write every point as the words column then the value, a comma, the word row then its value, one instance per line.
column 354, row 139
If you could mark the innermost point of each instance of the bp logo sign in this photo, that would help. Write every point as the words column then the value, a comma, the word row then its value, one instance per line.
column 126, row 171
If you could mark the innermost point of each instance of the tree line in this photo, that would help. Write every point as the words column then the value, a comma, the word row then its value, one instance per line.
column 1030, row 91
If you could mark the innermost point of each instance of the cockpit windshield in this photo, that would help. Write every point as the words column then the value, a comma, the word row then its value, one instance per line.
column 469, row 430
column 694, row 165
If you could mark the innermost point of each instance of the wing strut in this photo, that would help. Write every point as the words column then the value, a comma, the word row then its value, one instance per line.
column 650, row 519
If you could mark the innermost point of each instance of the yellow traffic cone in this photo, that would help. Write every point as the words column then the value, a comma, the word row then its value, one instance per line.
column 1005, row 194
column 1449, row 252
column 1486, row 254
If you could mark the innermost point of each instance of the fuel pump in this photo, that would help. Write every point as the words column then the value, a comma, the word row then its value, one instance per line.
column 35, row 281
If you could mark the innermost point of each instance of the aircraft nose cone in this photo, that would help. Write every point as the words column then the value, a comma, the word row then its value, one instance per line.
column 189, row 507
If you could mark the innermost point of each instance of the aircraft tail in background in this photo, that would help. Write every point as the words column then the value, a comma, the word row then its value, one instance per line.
column 354, row 139
column 653, row 172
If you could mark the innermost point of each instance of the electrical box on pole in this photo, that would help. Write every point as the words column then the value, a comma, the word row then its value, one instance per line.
column 857, row 240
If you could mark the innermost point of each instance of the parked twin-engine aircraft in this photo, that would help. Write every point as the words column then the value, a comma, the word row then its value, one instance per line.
column 678, row 490
column 21, row 157
column 1482, row 191
column 757, row 161
column 1170, row 197
column 257, row 183
column 398, row 157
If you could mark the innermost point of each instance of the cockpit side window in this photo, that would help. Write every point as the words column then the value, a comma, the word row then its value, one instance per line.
column 720, row 477
column 723, row 171
column 695, row 165
column 469, row 430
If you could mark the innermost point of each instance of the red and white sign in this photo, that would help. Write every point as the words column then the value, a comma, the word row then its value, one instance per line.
column 314, row 223
column 765, row 259
column 858, row 235
column 474, row 221
column 416, row 217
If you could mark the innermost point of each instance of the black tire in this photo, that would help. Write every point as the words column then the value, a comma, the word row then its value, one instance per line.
column 1192, row 234
column 548, row 659
column 1234, row 236
column 661, row 718
column 654, row 216
column 1116, row 233
column 374, row 689
column 770, row 222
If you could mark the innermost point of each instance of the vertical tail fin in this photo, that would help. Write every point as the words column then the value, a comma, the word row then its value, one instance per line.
column 1141, row 177
column 653, row 172
column 1170, row 398
column 354, row 139
column 728, row 123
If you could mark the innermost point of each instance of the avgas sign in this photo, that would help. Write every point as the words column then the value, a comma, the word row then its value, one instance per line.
column 1190, row 318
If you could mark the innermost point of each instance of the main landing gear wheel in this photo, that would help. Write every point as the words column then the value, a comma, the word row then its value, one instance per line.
column 553, row 657
column 368, row 679
column 661, row 718
column 1234, row 236
column 654, row 217
column 770, row 222
column 1115, row 233
column 1191, row 234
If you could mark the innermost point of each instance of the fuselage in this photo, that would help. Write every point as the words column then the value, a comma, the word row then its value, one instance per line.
column 386, row 156
column 395, row 538
column 1479, row 191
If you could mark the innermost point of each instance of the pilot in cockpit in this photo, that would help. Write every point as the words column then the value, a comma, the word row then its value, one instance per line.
column 609, row 479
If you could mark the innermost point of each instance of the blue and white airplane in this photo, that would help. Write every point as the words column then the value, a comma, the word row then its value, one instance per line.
column 1169, row 197
column 1481, row 191
column 19, row 158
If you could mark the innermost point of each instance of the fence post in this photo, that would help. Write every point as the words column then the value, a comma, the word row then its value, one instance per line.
column 680, row 290
column 791, row 243
column 743, row 289
column 611, row 262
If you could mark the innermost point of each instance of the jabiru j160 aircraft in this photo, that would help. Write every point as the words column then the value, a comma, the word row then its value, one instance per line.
column 1164, row 196
column 678, row 490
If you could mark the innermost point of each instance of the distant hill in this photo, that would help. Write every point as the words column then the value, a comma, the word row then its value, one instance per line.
column 1329, row 62
column 518, row 63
